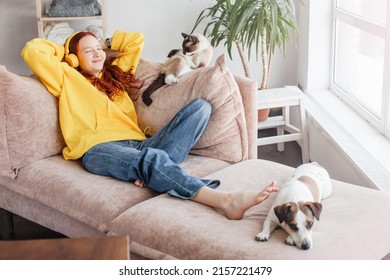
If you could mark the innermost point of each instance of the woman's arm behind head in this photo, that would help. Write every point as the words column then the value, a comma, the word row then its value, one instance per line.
column 129, row 45
column 44, row 59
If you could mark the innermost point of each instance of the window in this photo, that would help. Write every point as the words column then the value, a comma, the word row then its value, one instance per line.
column 361, row 58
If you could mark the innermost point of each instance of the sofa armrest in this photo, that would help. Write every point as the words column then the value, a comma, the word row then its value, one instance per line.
column 248, row 90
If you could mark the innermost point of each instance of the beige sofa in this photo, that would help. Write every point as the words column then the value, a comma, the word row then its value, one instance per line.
column 38, row 184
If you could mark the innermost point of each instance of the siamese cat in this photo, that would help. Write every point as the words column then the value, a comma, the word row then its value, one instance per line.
column 196, row 52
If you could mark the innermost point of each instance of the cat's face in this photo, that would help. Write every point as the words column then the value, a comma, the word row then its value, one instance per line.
column 191, row 43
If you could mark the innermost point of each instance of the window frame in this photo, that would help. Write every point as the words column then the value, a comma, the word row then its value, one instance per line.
column 383, row 122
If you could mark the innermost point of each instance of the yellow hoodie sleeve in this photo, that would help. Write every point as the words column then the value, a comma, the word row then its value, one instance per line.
column 44, row 59
column 130, row 45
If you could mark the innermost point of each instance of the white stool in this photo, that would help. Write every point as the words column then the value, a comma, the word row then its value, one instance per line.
column 283, row 98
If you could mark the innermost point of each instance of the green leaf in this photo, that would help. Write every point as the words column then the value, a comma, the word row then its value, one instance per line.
column 242, row 21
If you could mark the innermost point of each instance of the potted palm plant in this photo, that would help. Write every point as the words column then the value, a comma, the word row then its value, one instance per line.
column 263, row 24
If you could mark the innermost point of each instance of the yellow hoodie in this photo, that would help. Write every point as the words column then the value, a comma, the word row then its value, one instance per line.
column 87, row 116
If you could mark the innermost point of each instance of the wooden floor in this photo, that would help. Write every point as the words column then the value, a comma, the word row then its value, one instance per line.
column 88, row 248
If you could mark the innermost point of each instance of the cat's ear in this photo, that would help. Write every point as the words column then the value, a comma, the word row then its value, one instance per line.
column 184, row 35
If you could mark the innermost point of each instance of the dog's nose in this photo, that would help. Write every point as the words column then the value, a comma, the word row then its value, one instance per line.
column 305, row 245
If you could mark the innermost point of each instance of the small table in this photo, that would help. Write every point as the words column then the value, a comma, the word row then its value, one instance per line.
column 88, row 248
column 284, row 98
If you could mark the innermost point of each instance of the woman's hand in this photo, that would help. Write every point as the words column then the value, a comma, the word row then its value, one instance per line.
column 105, row 43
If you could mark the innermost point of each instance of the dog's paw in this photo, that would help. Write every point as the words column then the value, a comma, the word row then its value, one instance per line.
column 289, row 241
column 261, row 236
column 171, row 79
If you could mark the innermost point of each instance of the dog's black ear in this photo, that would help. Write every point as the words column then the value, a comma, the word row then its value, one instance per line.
column 315, row 208
column 281, row 211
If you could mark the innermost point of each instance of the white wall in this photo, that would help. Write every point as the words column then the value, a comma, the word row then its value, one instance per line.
column 18, row 22
column 163, row 21
column 325, row 151
column 314, row 55
column 160, row 21
column 314, row 72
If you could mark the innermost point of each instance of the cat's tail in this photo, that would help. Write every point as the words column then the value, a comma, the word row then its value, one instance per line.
column 156, row 84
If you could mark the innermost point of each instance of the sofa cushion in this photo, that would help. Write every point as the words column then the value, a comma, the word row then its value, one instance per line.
column 188, row 230
column 225, row 136
column 5, row 165
column 66, row 187
column 199, row 166
column 29, row 122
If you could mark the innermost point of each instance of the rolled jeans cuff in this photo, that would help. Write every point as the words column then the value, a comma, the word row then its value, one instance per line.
column 206, row 182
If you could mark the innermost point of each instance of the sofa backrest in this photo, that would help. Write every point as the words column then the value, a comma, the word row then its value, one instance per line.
column 29, row 127
column 30, row 131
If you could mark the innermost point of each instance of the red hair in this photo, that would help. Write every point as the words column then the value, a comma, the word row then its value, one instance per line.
column 113, row 80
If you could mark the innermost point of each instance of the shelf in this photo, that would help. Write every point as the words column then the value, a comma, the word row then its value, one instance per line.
column 70, row 18
column 76, row 23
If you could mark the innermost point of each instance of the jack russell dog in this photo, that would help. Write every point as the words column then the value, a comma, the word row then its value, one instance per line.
column 297, row 204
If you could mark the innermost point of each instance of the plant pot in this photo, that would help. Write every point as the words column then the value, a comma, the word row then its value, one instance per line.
column 262, row 115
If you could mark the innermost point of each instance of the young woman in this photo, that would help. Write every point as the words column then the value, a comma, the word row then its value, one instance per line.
column 99, row 122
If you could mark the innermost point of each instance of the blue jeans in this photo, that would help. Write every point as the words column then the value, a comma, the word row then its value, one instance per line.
column 155, row 160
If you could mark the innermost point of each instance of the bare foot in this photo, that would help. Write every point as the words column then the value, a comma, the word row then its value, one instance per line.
column 139, row 183
column 237, row 203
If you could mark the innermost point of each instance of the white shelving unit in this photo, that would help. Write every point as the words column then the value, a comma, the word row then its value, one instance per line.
column 43, row 19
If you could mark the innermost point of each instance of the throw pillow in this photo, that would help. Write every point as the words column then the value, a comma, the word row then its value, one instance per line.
column 225, row 136
column 74, row 8
column 27, row 109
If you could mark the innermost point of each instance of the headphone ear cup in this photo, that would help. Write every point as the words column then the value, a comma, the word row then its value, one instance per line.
column 72, row 60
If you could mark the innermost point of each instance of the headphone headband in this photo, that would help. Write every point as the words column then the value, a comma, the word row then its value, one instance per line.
column 67, row 42
column 70, row 58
